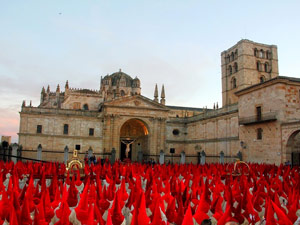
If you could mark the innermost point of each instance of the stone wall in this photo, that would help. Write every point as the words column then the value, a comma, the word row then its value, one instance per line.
column 278, row 98
column 52, row 137
column 92, row 101
column 212, row 132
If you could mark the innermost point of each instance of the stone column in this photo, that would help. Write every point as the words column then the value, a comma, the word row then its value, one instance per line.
column 222, row 157
column 161, row 157
column 240, row 155
column 155, row 137
column 66, row 154
column 182, row 157
column 90, row 152
column 106, row 133
column 39, row 152
column 163, row 133
column 140, row 156
column 113, row 156
column 14, row 152
column 140, row 153
column 203, row 156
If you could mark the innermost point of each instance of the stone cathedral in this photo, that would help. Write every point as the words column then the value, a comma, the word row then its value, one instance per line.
column 259, row 116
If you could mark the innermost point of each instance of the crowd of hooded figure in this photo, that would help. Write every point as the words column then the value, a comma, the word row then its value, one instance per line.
column 140, row 194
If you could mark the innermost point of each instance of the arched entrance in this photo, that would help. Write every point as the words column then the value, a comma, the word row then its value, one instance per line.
column 133, row 139
column 293, row 148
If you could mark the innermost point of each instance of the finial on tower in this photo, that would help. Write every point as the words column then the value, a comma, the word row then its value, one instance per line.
column 162, row 96
column 120, row 70
column 48, row 89
column 67, row 85
column 43, row 93
column 23, row 103
column 58, row 88
column 156, row 93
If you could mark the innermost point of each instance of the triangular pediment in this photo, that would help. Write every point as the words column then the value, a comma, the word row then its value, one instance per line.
column 137, row 101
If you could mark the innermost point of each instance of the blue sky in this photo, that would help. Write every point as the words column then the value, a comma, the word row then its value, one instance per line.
column 175, row 43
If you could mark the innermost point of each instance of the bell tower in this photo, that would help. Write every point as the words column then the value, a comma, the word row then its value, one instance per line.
column 245, row 64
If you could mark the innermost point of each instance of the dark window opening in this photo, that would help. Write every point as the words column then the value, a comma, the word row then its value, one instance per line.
column 176, row 132
column 258, row 66
column 230, row 69
column 39, row 129
column 258, row 113
column 233, row 83
column 77, row 147
column 235, row 67
column 232, row 56
column 266, row 67
column 259, row 133
column 66, row 128
column 236, row 54
column 255, row 52
column 91, row 132
column 262, row 79
column 86, row 107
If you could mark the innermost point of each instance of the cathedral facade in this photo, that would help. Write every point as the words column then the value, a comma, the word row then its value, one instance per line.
column 259, row 117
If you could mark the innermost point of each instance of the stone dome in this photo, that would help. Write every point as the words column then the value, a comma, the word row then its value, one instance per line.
column 118, row 76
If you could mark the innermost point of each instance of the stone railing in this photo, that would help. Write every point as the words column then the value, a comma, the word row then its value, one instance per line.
column 209, row 113
column 37, row 110
column 265, row 117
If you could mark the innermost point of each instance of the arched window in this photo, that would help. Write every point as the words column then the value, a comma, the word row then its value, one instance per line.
column 262, row 79
column 122, row 93
column 86, row 107
column 228, row 58
column 235, row 67
column 269, row 55
column 258, row 65
column 266, row 67
column 236, row 54
column 255, row 52
column 233, row 83
column 232, row 56
column 261, row 54
column 230, row 69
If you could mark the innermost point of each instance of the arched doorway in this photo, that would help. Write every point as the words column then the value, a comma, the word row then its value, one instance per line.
column 293, row 148
column 133, row 139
